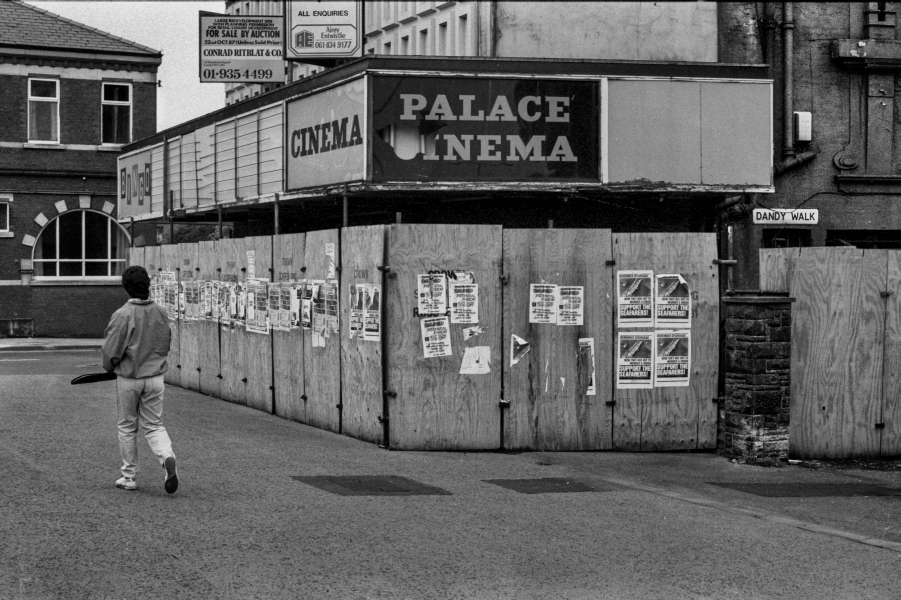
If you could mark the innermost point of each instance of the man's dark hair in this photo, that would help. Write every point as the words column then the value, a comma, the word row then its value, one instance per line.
column 136, row 282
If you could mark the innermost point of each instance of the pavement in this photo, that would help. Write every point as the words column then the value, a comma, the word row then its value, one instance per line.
column 48, row 344
column 242, row 525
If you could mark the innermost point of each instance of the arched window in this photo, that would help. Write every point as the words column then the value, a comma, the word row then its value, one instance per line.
column 81, row 243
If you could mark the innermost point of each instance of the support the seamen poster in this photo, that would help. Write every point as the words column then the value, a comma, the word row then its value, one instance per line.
column 672, row 366
column 635, row 360
column 634, row 298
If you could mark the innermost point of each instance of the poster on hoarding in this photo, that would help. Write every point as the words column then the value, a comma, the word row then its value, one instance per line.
column 634, row 298
column 257, row 305
column 543, row 301
column 464, row 302
column 436, row 339
column 672, row 301
column 635, row 360
column 355, row 301
column 241, row 48
column 571, row 310
column 431, row 293
column 586, row 349
column 672, row 365
column 372, row 312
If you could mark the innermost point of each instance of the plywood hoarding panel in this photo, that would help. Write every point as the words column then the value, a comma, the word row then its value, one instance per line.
column 288, row 346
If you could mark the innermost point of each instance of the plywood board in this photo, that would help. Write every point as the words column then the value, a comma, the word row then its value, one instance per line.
column 435, row 406
column 247, row 153
column 890, row 444
column 675, row 418
column 258, row 347
column 174, row 171
column 362, row 253
column 225, row 161
column 136, row 258
column 322, row 365
column 190, row 330
column 169, row 261
column 206, row 164
column 208, row 260
column 775, row 268
column 837, row 352
column 547, row 388
column 288, row 346
column 233, row 387
column 188, row 170
column 152, row 260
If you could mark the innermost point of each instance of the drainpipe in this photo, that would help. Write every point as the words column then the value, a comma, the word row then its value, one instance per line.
column 788, row 105
column 769, row 27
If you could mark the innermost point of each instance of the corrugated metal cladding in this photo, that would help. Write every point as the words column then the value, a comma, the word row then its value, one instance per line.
column 681, row 128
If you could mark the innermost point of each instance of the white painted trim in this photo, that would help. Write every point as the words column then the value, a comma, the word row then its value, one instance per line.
column 604, row 134
column 75, row 73
column 53, row 146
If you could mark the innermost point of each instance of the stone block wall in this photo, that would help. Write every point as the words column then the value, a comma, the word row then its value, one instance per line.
column 755, row 417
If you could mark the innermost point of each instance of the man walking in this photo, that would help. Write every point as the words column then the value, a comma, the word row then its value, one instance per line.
column 136, row 347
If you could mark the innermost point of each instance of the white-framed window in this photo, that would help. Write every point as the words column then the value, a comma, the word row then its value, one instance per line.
column 81, row 243
column 5, row 201
column 43, row 110
column 115, row 117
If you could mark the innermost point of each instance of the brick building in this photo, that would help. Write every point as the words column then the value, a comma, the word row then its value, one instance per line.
column 70, row 97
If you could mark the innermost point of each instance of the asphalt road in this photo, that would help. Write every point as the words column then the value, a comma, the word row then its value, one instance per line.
column 241, row 527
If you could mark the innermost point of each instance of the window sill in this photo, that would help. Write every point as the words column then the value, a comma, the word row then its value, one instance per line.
column 47, row 146
column 110, row 148
column 7, row 234
column 51, row 281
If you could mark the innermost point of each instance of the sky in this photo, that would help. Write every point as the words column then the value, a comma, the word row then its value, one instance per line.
column 170, row 26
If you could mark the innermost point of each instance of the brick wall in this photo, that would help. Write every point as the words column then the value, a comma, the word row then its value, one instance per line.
column 755, row 418
column 74, row 311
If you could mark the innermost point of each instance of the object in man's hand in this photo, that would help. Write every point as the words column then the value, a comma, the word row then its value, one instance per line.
column 94, row 377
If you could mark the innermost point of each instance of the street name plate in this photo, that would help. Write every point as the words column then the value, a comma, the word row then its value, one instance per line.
column 786, row 216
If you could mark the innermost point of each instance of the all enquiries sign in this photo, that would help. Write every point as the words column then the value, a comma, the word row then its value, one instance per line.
column 323, row 30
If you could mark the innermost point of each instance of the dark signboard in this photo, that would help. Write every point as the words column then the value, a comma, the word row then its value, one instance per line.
column 483, row 129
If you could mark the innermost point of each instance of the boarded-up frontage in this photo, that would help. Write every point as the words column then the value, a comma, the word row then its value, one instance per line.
column 430, row 336
column 846, row 349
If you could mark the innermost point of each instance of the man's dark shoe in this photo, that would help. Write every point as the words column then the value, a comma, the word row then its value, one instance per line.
column 171, row 475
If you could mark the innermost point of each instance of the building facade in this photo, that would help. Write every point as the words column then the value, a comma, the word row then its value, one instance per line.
column 70, row 97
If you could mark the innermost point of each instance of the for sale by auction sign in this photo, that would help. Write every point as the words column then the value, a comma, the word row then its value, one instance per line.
column 241, row 49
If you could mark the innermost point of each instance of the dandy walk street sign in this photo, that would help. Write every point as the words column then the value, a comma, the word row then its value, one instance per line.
column 786, row 216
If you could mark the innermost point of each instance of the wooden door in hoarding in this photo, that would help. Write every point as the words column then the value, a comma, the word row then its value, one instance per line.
column 443, row 389
column 362, row 256
column 673, row 418
column 208, row 261
column 258, row 346
column 233, row 259
column 169, row 261
column 287, row 346
column 322, row 349
column 189, row 343
column 559, row 385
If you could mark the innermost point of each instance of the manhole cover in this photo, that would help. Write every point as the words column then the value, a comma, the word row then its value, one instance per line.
column 810, row 490
column 548, row 485
column 370, row 485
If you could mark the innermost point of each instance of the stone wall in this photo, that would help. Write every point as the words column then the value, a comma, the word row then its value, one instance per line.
column 755, row 417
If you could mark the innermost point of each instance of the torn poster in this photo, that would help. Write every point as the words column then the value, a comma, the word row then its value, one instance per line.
column 431, row 292
column 586, row 347
column 275, row 305
column 464, row 302
column 257, row 305
column 306, row 306
column 318, row 300
column 330, row 259
column 355, row 301
column 634, row 298
column 240, row 303
column 206, row 300
column 672, row 301
column 518, row 348
column 476, row 361
column 471, row 332
column 673, row 361
column 294, row 292
column 436, row 339
column 372, row 312
column 464, row 276
column 634, row 360
column 251, row 264
column 330, row 294
column 543, row 303
column 571, row 310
